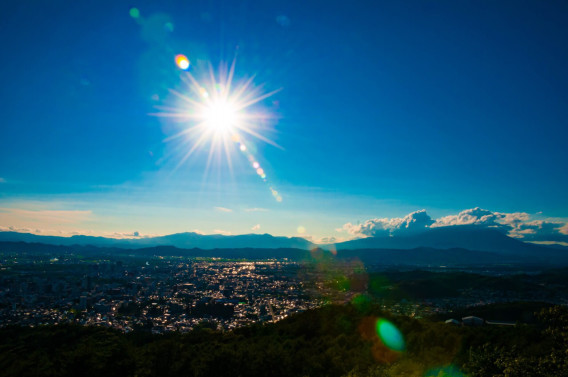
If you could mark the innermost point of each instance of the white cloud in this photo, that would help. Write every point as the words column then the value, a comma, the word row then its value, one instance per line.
column 413, row 222
column 517, row 224
column 256, row 210
column 222, row 209
column 474, row 216
column 222, row 232
column 256, row 227
column 541, row 230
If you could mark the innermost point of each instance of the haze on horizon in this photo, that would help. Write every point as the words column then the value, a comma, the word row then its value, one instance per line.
column 387, row 118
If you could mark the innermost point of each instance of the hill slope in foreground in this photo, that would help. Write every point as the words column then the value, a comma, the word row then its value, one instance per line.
column 330, row 341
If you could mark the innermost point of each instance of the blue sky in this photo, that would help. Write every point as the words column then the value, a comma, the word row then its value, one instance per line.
column 386, row 108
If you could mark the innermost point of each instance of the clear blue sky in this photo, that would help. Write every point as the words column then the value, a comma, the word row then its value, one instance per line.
column 385, row 108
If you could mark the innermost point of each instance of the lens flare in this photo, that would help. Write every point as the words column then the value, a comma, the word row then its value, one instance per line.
column 134, row 12
column 182, row 62
column 390, row 335
column 223, row 112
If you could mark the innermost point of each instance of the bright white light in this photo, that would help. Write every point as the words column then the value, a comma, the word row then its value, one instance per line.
column 221, row 113
column 220, row 116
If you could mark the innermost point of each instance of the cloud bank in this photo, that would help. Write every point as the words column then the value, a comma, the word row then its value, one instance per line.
column 517, row 224
column 412, row 223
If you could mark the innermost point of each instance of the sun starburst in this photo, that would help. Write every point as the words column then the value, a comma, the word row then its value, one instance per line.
column 220, row 114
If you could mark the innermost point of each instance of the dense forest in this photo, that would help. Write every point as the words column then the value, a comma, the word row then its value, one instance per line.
column 330, row 341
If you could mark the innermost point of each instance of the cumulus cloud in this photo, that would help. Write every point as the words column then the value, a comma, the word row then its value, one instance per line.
column 222, row 209
column 541, row 231
column 412, row 223
column 256, row 227
column 517, row 224
column 475, row 216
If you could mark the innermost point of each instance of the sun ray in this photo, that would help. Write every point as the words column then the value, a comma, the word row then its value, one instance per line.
column 221, row 111
column 259, row 136
column 258, row 99
column 195, row 146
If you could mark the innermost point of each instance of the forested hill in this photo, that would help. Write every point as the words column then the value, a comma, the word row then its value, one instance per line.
column 330, row 341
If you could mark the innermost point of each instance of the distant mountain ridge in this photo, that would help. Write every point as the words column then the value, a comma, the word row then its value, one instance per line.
column 186, row 240
column 370, row 257
column 443, row 238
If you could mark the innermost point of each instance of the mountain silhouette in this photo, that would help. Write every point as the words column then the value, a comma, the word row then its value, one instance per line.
column 181, row 240
column 442, row 238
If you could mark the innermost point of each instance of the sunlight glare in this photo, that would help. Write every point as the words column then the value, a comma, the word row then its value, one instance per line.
column 222, row 113
column 220, row 117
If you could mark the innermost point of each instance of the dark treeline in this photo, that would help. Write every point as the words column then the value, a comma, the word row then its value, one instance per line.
column 330, row 341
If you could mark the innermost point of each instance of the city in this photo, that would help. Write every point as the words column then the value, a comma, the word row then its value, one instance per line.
column 162, row 294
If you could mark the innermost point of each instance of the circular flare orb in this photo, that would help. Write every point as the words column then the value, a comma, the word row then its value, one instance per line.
column 390, row 335
column 182, row 62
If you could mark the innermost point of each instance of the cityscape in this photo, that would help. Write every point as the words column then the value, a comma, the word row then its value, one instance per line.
column 173, row 294
column 164, row 293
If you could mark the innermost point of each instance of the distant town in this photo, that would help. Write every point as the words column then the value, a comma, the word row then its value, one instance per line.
column 161, row 294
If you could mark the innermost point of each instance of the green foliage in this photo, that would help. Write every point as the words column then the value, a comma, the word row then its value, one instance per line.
column 542, row 353
column 330, row 341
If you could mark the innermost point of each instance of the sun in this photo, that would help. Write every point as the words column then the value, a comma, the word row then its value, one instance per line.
column 220, row 117
column 219, row 112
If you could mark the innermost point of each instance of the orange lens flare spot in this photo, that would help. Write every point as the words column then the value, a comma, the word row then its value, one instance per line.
column 182, row 62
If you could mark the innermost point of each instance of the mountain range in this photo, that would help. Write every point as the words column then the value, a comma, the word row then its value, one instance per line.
column 464, row 237
column 186, row 240
column 455, row 244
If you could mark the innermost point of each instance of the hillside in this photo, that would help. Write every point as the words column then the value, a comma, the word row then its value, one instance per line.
column 332, row 341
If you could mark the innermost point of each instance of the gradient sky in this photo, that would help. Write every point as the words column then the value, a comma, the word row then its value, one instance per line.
column 386, row 108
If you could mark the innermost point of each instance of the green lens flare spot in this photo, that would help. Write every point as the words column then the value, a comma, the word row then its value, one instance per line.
column 134, row 13
column 390, row 335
